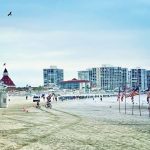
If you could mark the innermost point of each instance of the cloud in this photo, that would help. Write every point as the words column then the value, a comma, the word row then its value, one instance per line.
column 27, row 52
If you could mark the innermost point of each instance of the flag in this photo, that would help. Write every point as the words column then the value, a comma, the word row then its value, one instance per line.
column 134, row 92
column 119, row 95
column 122, row 95
column 148, row 96
column 132, row 99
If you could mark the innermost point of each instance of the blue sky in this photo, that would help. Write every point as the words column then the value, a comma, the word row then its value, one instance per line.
column 72, row 34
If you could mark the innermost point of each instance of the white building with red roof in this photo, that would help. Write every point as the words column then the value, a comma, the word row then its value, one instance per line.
column 6, row 80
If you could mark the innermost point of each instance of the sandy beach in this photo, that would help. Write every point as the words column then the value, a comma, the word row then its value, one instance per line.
column 75, row 124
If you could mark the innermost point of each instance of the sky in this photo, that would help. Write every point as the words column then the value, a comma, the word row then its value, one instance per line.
column 72, row 35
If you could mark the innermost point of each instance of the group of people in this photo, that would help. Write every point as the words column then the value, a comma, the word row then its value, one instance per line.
column 48, row 100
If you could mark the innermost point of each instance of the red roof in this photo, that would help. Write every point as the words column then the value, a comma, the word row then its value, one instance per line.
column 6, row 79
column 75, row 81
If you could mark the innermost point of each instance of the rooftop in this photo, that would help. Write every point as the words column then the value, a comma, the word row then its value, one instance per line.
column 74, row 80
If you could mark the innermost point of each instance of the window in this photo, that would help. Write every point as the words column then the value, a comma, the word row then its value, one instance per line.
column 4, row 100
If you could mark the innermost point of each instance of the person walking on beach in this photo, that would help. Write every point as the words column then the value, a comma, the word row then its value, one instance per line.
column 38, row 104
column 56, row 98
column 43, row 96
column 101, row 98
column 48, row 103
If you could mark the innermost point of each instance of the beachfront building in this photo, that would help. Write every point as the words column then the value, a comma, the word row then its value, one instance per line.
column 125, row 79
column 92, row 75
column 106, row 77
column 83, row 75
column 7, row 81
column 113, row 77
column 148, row 78
column 53, row 76
column 75, row 84
column 138, row 77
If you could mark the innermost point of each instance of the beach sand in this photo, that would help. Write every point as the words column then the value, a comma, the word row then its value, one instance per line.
column 73, row 125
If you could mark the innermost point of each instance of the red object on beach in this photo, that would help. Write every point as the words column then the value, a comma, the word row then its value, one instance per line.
column 133, row 93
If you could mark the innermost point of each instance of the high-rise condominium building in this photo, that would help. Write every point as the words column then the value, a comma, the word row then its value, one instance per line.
column 138, row 77
column 113, row 77
column 106, row 77
column 53, row 76
column 148, row 78
column 91, row 75
column 83, row 75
